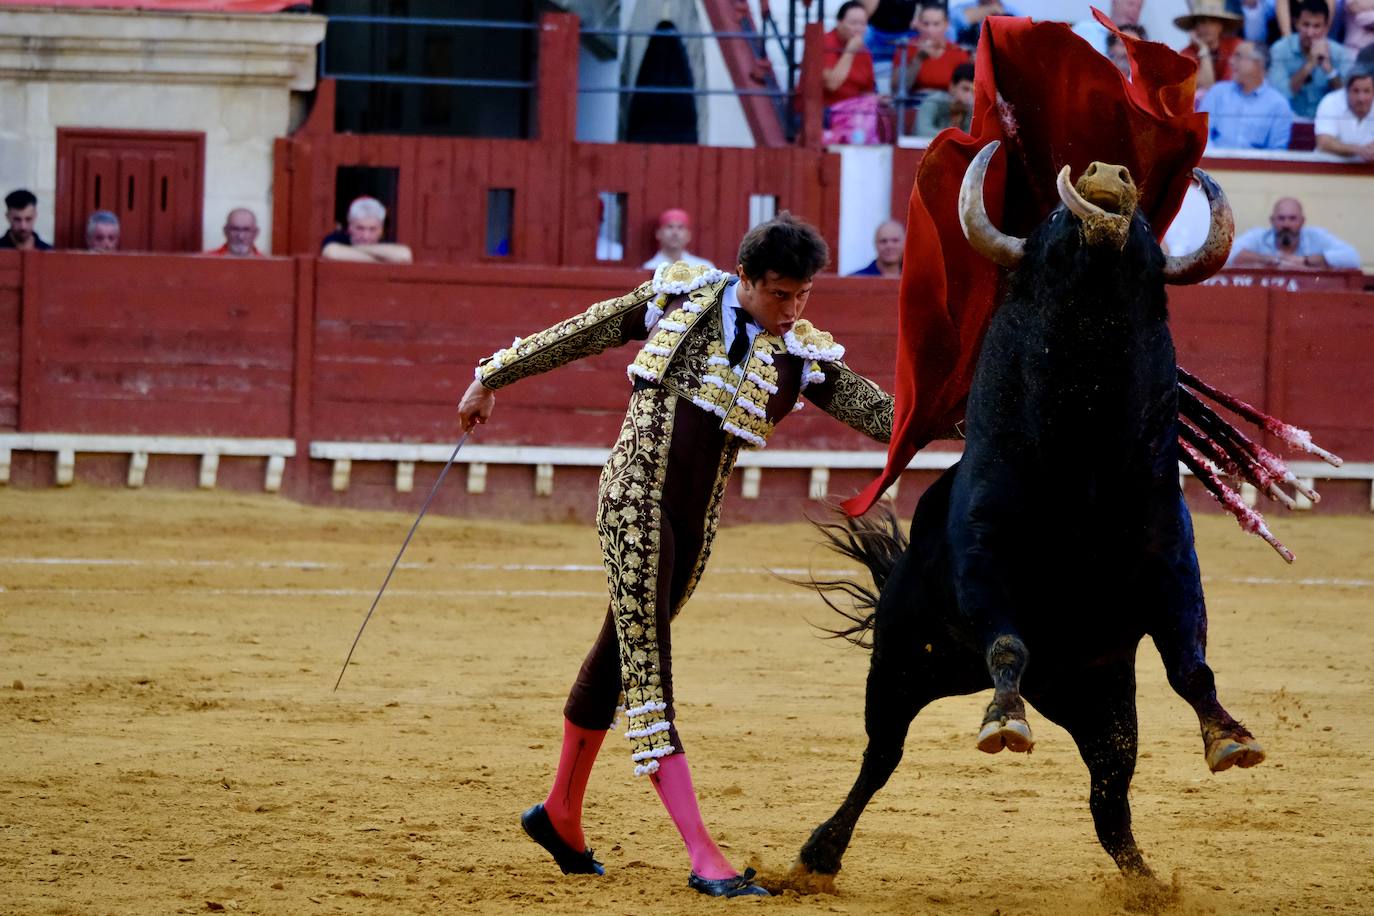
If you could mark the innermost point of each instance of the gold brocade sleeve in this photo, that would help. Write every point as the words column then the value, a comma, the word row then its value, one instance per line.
column 853, row 400
column 606, row 324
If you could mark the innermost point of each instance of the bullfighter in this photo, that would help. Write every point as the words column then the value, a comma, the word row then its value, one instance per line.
column 724, row 360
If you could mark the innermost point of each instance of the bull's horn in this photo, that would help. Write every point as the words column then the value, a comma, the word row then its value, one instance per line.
column 1211, row 256
column 986, row 239
column 1077, row 204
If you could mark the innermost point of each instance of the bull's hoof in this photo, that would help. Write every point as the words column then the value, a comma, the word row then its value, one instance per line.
column 1233, row 751
column 801, row 880
column 1012, row 734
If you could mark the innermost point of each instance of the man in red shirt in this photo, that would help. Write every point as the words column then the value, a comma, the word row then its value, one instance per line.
column 929, row 61
column 240, row 234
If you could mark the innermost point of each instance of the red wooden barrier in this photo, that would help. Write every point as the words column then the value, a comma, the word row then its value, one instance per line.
column 332, row 352
column 443, row 183
column 10, row 281
column 156, row 344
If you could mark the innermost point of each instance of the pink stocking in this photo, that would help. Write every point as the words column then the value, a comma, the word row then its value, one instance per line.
column 673, row 782
column 564, row 804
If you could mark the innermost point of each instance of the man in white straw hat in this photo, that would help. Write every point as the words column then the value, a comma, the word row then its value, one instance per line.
column 1212, row 29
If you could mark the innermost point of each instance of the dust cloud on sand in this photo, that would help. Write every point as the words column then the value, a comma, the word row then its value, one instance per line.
column 169, row 741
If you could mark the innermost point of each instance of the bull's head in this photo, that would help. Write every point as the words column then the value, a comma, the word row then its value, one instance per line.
column 1104, row 199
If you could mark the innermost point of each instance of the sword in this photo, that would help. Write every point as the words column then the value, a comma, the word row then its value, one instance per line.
column 394, row 563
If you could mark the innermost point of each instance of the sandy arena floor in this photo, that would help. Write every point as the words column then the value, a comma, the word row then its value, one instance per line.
column 169, row 741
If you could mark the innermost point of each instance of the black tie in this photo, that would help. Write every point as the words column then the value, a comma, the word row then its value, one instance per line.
column 739, row 347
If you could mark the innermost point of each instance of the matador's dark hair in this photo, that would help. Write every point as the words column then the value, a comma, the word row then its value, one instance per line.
column 785, row 245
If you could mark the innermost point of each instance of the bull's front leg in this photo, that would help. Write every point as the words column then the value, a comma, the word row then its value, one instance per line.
column 1178, row 615
column 1004, row 721
column 902, row 678
column 979, row 537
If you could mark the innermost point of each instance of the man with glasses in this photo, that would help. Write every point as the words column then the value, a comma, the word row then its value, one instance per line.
column 1246, row 112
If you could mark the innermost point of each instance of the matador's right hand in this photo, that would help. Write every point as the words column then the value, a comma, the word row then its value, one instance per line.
column 476, row 406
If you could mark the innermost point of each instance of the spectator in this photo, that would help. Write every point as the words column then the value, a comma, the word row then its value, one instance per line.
column 673, row 233
column 889, row 242
column 240, row 234
column 21, row 209
column 1365, row 59
column 1211, row 28
column 889, row 25
column 1116, row 48
column 1286, row 14
column 1123, row 12
column 948, row 109
column 967, row 17
column 1257, row 20
column 1246, row 112
column 1289, row 245
column 929, row 61
column 850, row 97
column 362, row 239
column 1359, row 25
column 1307, row 65
column 1344, row 125
column 102, row 232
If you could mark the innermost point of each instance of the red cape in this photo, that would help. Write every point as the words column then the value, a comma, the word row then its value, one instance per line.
column 1053, row 101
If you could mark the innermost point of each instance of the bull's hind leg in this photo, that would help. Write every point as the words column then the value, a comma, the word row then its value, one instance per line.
column 1099, row 714
column 1004, row 723
column 1179, row 630
column 1225, row 742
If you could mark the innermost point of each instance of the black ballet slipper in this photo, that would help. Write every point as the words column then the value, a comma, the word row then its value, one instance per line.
column 738, row 886
column 540, row 829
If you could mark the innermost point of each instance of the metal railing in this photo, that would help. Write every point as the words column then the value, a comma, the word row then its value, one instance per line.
column 419, row 21
column 770, row 36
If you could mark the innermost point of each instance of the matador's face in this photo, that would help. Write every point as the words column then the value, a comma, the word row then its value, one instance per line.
column 775, row 302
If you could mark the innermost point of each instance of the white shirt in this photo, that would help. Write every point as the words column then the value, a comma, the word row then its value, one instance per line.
column 609, row 249
column 661, row 258
column 1339, row 254
column 729, row 304
column 1190, row 227
column 1335, row 119
column 1093, row 32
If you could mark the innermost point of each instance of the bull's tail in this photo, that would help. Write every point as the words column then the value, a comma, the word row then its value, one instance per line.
column 875, row 541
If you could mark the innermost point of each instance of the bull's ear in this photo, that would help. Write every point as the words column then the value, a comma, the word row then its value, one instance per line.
column 1215, row 249
column 986, row 239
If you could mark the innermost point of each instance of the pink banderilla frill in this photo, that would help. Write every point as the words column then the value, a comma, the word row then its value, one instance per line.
column 1212, row 447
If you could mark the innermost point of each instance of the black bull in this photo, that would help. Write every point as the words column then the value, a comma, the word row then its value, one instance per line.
column 1038, row 563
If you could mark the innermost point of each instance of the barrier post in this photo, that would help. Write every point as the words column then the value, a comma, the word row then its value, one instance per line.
column 556, row 86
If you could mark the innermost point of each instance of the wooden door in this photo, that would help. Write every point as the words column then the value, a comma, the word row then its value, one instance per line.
column 154, row 181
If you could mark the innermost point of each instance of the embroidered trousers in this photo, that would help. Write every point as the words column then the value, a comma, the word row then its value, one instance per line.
column 657, row 510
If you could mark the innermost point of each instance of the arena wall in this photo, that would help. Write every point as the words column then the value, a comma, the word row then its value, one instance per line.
column 344, row 377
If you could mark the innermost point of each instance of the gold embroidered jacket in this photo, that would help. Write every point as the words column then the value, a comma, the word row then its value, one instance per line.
column 678, row 314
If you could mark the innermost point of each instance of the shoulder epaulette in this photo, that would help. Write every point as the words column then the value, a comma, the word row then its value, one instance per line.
column 679, row 277
column 809, row 342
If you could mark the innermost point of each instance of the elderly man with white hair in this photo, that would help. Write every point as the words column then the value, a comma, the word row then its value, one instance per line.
column 361, row 240
column 102, row 232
